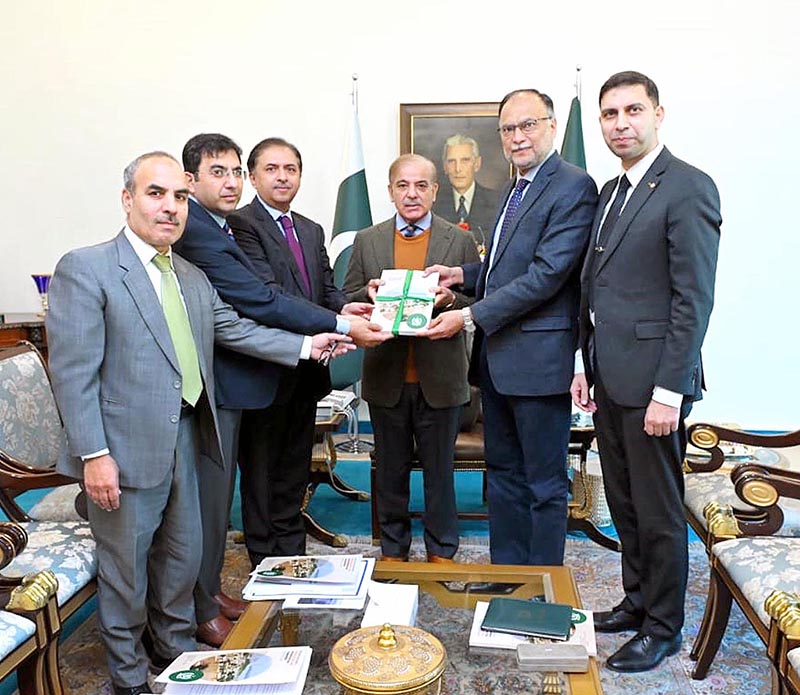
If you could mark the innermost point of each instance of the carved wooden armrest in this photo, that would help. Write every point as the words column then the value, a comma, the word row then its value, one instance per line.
column 708, row 437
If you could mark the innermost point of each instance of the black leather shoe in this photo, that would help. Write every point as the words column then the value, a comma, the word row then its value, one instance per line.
column 135, row 690
column 616, row 620
column 643, row 652
column 490, row 588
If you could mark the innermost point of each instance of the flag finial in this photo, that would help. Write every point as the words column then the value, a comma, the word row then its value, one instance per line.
column 578, row 81
column 354, row 93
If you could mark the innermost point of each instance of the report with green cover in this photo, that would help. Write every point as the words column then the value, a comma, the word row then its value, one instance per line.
column 534, row 618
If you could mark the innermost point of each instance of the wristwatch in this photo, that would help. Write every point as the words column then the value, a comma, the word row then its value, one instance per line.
column 469, row 324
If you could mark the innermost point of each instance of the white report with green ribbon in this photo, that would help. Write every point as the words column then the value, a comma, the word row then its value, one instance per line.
column 404, row 303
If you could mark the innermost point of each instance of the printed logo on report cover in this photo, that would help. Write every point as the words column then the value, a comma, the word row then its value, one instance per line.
column 416, row 320
column 192, row 674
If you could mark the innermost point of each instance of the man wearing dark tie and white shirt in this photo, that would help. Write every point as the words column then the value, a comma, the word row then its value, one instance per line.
column 647, row 294
column 526, row 330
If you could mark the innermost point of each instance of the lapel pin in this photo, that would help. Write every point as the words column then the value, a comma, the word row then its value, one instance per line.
column 652, row 184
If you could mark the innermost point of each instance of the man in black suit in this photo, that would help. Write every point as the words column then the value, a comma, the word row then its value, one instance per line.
column 647, row 294
column 464, row 201
column 213, row 165
column 526, row 315
column 287, row 251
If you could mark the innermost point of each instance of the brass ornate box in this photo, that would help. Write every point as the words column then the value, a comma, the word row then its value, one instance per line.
column 390, row 660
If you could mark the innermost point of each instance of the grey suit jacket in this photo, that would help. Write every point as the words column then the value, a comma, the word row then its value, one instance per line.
column 441, row 364
column 653, row 284
column 115, row 373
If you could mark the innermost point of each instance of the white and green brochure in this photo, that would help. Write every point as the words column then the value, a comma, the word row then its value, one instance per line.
column 404, row 303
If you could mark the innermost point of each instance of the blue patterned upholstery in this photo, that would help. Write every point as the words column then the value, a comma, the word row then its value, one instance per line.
column 702, row 488
column 67, row 549
column 14, row 630
column 759, row 564
column 30, row 429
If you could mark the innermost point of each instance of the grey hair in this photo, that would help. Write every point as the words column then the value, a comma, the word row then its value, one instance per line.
column 133, row 167
column 459, row 139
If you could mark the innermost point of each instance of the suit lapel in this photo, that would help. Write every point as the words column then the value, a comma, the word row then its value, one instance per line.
column 191, row 297
column 383, row 247
column 605, row 196
column 273, row 236
column 138, row 284
column 639, row 197
column 440, row 242
column 535, row 189
column 306, row 238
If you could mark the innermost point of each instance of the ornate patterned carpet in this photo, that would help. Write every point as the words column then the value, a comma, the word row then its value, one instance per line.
column 741, row 666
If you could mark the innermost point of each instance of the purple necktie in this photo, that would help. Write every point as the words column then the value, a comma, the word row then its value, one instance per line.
column 511, row 210
column 294, row 247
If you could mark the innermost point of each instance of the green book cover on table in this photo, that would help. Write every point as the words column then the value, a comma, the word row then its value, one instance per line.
column 534, row 618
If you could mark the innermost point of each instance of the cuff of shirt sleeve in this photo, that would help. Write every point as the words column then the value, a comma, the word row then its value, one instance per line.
column 342, row 325
column 667, row 397
column 579, row 367
column 102, row 452
column 305, row 350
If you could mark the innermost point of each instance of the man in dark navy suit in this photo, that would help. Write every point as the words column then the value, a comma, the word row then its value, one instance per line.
column 526, row 322
column 212, row 162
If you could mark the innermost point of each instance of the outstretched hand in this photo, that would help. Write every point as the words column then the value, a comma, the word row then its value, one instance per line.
column 448, row 275
column 329, row 345
column 445, row 325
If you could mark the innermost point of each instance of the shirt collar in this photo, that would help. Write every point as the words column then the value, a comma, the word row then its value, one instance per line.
column 469, row 194
column 636, row 173
column 142, row 249
column 274, row 212
column 424, row 223
column 219, row 219
column 532, row 173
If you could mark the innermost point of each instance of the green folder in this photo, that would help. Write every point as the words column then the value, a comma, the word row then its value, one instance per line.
column 521, row 617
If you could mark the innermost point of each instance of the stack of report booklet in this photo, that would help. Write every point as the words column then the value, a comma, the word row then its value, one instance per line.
column 319, row 581
column 271, row 671
column 482, row 639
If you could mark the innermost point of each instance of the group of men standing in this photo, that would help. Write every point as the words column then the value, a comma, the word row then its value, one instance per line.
column 155, row 429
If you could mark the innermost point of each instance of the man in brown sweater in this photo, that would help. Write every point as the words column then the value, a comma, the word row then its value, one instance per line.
column 415, row 387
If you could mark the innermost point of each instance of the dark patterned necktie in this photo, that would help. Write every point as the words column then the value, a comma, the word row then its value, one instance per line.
column 227, row 229
column 511, row 210
column 462, row 209
column 410, row 231
column 297, row 251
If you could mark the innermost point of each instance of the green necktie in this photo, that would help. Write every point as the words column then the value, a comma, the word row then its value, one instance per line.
column 180, row 330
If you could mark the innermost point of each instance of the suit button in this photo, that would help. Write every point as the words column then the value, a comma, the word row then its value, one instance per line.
column 173, row 419
column 176, row 384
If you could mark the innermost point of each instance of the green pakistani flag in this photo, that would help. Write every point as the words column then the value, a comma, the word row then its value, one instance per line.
column 572, row 147
column 352, row 203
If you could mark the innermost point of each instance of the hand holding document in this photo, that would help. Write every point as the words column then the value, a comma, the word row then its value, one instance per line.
column 404, row 302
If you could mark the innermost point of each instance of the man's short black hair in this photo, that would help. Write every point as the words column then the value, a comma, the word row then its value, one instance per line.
column 272, row 142
column 629, row 78
column 209, row 144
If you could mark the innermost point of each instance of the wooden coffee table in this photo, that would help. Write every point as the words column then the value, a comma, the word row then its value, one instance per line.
column 450, row 585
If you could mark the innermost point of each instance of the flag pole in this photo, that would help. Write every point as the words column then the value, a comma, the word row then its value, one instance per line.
column 354, row 93
column 578, row 81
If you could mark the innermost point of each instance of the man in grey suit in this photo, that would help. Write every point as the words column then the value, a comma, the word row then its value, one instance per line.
column 647, row 294
column 415, row 387
column 131, row 331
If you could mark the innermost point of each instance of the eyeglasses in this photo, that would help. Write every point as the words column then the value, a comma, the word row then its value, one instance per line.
column 223, row 173
column 526, row 127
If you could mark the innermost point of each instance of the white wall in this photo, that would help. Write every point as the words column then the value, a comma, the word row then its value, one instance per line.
column 86, row 86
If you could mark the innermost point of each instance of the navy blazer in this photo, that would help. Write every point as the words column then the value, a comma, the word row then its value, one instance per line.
column 244, row 382
column 527, row 308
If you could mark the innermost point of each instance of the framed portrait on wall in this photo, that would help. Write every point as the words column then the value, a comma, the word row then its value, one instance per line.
column 463, row 142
